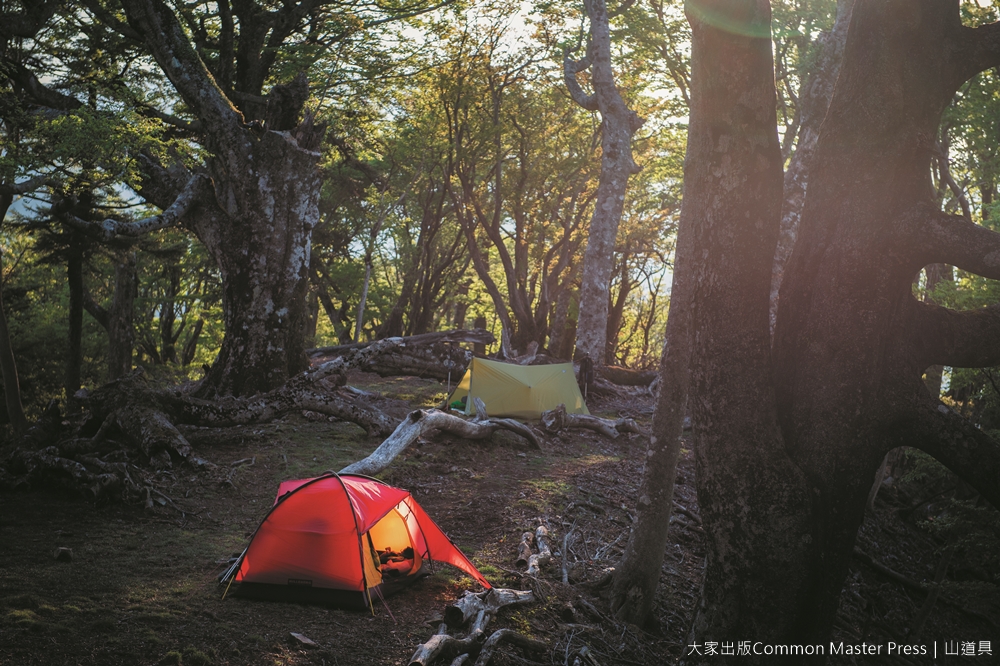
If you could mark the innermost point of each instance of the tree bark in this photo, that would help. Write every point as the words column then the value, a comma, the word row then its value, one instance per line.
column 8, row 364
column 618, row 124
column 813, row 103
column 755, row 572
column 74, row 353
column 121, row 337
column 258, row 225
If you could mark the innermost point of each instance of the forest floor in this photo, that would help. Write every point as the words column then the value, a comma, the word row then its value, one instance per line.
column 141, row 587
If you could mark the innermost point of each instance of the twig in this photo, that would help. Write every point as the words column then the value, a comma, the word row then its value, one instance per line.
column 687, row 512
column 565, row 554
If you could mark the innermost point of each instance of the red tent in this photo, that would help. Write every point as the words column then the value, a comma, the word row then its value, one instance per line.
column 333, row 538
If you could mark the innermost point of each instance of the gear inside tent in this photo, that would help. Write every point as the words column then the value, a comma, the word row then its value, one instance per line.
column 520, row 391
column 340, row 540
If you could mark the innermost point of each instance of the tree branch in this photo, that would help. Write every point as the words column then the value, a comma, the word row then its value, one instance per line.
column 108, row 229
column 29, row 185
column 570, row 69
column 960, row 446
column 968, row 339
column 112, row 21
column 951, row 239
column 979, row 50
column 96, row 310
column 182, row 65
column 194, row 127
column 38, row 92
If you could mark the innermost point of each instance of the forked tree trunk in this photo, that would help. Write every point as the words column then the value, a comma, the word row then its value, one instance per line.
column 258, row 225
column 786, row 450
column 851, row 341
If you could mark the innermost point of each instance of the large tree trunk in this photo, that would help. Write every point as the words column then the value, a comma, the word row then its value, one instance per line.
column 786, row 451
column 754, row 502
column 258, row 225
column 618, row 124
column 851, row 342
column 264, row 299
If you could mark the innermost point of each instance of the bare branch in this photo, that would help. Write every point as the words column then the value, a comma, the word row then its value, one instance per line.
column 952, row 239
column 29, row 185
column 186, row 125
column 109, row 228
column 570, row 69
column 182, row 65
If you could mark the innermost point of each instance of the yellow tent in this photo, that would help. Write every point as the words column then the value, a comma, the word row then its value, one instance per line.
column 522, row 391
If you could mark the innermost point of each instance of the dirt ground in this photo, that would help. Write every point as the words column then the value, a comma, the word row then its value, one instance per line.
column 141, row 586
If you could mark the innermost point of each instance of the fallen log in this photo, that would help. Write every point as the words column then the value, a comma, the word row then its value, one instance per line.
column 626, row 376
column 472, row 335
column 558, row 419
column 421, row 421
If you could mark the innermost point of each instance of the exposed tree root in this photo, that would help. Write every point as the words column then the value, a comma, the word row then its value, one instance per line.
column 135, row 428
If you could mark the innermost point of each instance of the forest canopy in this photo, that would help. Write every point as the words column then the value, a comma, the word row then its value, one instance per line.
column 442, row 124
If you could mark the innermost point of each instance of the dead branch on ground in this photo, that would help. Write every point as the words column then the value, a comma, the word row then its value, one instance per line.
column 475, row 610
column 558, row 419
column 544, row 555
column 421, row 421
